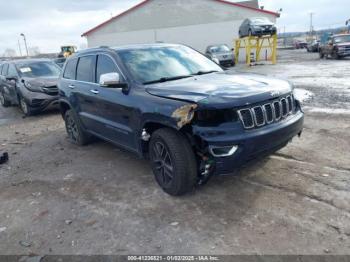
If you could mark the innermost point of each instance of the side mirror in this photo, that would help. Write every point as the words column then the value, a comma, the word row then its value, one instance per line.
column 111, row 80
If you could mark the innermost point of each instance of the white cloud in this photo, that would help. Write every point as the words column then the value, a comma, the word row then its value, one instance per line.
column 49, row 24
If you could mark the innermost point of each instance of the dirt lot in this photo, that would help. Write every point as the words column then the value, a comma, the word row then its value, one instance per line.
column 56, row 198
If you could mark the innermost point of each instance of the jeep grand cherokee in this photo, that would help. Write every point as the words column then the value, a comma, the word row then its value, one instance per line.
column 176, row 107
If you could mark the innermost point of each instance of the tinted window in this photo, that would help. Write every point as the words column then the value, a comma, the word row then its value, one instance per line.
column 85, row 69
column 39, row 69
column 4, row 69
column 105, row 65
column 70, row 70
column 12, row 71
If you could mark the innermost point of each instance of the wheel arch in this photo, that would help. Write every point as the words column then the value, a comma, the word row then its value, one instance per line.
column 64, row 107
column 151, row 126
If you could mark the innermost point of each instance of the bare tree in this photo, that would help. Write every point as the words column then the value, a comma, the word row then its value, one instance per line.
column 34, row 51
column 9, row 52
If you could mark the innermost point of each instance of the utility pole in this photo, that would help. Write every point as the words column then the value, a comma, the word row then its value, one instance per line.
column 311, row 24
column 25, row 43
column 19, row 47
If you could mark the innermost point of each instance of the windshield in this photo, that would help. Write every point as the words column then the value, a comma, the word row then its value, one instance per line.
column 152, row 64
column 220, row 49
column 342, row 39
column 260, row 20
column 39, row 69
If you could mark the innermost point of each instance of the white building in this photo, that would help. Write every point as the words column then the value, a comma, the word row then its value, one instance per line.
column 197, row 23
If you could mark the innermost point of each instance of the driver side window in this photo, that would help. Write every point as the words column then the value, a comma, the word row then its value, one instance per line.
column 105, row 65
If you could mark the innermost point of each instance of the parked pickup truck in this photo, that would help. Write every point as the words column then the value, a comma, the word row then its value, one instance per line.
column 173, row 105
column 337, row 46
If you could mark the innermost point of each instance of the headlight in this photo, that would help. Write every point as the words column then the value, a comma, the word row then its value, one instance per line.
column 32, row 88
column 215, row 117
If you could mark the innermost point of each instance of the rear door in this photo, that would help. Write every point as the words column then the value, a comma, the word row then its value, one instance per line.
column 3, row 82
column 11, row 84
column 85, row 87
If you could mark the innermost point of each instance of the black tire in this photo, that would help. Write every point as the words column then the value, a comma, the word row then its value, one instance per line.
column 321, row 54
column 75, row 132
column 26, row 109
column 173, row 162
column 3, row 101
column 336, row 56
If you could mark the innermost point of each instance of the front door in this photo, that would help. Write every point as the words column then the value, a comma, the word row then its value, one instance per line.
column 113, row 106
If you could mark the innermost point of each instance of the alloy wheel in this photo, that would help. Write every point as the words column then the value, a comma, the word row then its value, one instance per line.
column 2, row 98
column 72, row 129
column 24, row 106
column 164, row 169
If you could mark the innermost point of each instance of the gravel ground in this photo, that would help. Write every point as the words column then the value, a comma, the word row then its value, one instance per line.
column 57, row 198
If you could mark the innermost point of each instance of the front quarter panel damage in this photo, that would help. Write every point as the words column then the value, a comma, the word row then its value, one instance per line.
column 184, row 114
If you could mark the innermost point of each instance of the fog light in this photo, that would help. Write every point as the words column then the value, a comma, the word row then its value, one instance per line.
column 222, row 151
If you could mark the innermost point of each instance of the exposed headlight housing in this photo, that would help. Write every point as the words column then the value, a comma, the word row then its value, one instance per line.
column 32, row 88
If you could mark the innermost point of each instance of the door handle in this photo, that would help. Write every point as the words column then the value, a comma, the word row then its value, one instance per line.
column 94, row 91
column 71, row 86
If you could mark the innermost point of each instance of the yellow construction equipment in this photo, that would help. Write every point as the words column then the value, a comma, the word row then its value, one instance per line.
column 254, row 45
column 67, row 51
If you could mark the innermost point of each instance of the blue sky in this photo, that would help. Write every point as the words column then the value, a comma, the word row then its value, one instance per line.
column 51, row 23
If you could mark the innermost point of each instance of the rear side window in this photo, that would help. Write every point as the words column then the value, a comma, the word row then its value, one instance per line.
column 70, row 69
column 4, row 70
column 105, row 65
column 86, row 68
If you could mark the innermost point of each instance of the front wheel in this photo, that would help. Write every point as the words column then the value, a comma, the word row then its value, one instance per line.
column 26, row 109
column 3, row 101
column 173, row 162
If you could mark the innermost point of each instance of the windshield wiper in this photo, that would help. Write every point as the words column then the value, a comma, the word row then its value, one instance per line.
column 166, row 79
column 205, row 72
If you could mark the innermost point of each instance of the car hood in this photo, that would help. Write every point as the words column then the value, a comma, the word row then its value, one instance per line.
column 222, row 54
column 42, row 81
column 263, row 24
column 220, row 90
column 343, row 44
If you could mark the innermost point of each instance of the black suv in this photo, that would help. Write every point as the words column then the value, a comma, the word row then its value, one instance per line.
column 30, row 83
column 177, row 107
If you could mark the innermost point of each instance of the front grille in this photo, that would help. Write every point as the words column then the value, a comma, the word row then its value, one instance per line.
column 52, row 90
column 268, row 113
column 246, row 117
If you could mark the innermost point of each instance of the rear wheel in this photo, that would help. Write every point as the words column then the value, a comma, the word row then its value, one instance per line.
column 173, row 162
column 75, row 132
column 3, row 101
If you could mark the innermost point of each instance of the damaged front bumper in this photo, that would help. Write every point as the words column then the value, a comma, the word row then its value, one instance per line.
column 231, row 146
column 40, row 101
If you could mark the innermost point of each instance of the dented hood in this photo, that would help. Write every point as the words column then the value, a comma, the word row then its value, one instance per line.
column 221, row 89
column 42, row 81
